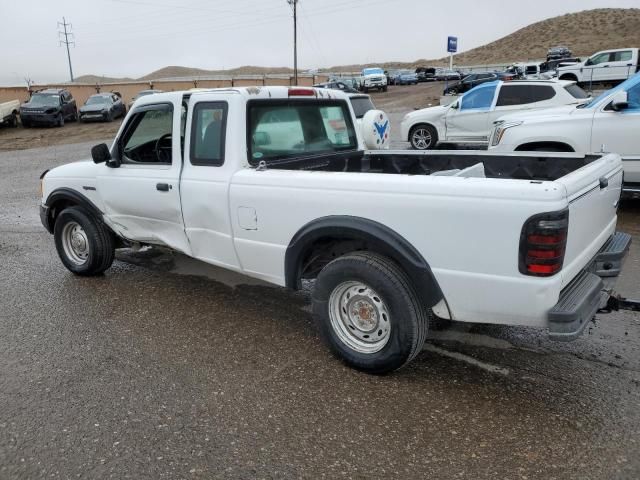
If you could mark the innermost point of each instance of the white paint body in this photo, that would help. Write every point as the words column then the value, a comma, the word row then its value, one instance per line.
column 605, row 66
column 243, row 219
column 7, row 109
column 456, row 125
column 597, row 128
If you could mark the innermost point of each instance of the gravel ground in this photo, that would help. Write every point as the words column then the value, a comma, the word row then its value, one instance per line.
column 166, row 368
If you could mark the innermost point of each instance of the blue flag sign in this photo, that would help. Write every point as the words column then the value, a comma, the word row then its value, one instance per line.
column 452, row 44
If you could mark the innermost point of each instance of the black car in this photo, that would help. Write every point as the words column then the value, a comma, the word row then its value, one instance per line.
column 49, row 107
column 426, row 74
column 552, row 65
column 470, row 81
column 557, row 53
column 337, row 85
column 104, row 107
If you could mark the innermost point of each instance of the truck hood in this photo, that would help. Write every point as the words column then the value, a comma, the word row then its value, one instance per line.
column 81, row 169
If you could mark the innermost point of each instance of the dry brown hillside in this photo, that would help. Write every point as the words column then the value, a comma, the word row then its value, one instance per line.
column 584, row 32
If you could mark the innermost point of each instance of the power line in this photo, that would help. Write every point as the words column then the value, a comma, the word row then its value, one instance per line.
column 67, row 34
column 294, row 4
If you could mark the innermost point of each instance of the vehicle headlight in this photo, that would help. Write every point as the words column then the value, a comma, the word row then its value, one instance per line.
column 500, row 129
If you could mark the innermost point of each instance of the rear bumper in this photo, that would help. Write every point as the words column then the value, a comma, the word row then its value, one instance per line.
column 589, row 291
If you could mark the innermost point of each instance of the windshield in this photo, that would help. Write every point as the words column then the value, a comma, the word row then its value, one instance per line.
column 373, row 71
column 361, row 105
column 45, row 100
column 624, row 86
column 99, row 100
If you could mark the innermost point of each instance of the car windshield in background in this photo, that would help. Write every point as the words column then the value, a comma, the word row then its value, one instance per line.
column 99, row 100
column 373, row 71
column 576, row 91
column 45, row 100
column 361, row 105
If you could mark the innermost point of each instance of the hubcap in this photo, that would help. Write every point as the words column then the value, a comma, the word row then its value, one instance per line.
column 359, row 317
column 421, row 139
column 75, row 243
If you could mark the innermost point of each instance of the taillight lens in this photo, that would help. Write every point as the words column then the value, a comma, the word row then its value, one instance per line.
column 543, row 242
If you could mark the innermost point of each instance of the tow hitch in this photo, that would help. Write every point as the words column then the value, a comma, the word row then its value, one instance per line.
column 616, row 302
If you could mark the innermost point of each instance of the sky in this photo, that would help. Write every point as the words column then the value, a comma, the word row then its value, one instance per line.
column 130, row 38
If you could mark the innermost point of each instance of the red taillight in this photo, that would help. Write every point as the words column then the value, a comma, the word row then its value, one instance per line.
column 302, row 92
column 542, row 244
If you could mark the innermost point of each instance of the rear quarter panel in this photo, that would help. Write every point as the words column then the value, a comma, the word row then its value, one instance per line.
column 467, row 229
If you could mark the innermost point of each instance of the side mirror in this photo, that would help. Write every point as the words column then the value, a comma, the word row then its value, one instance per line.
column 620, row 101
column 100, row 153
column 455, row 105
column 588, row 63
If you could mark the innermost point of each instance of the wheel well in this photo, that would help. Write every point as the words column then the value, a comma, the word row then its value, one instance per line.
column 545, row 147
column 422, row 124
column 569, row 76
column 325, row 239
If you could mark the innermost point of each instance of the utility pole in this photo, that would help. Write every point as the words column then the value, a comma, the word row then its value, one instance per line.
column 294, row 4
column 67, row 34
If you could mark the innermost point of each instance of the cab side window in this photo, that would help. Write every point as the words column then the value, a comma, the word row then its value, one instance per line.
column 147, row 138
column 208, row 132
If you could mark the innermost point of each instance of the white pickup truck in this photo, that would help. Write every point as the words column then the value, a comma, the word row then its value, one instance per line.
column 374, row 78
column 609, row 66
column 9, row 113
column 273, row 183
column 609, row 122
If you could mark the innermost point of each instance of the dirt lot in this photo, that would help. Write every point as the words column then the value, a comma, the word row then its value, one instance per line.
column 397, row 99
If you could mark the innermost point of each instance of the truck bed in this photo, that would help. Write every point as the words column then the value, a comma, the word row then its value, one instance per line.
column 519, row 166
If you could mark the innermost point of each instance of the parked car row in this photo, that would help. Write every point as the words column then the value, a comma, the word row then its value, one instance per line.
column 55, row 106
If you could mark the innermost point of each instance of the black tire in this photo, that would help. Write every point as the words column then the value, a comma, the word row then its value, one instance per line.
column 25, row 124
column 384, row 89
column 97, row 238
column 423, row 137
column 365, row 89
column 13, row 122
column 408, row 319
column 60, row 120
column 75, row 116
column 109, row 117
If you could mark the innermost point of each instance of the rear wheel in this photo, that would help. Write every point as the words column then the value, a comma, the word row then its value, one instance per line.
column 368, row 312
column 423, row 137
column 84, row 244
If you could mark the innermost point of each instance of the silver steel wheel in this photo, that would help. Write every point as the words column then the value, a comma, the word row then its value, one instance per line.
column 421, row 138
column 75, row 243
column 359, row 317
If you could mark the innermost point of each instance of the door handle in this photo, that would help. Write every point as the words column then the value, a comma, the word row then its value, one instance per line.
column 163, row 187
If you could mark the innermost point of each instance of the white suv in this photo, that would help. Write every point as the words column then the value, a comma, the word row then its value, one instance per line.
column 469, row 119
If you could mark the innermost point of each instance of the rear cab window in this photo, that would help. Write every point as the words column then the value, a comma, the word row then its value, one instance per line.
column 285, row 129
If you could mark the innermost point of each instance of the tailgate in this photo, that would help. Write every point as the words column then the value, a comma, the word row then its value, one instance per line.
column 593, row 193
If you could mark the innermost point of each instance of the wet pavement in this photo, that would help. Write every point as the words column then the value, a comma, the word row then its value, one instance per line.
column 165, row 368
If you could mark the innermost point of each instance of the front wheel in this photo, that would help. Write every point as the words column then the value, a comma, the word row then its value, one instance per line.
column 60, row 120
column 423, row 137
column 368, row 312
column 84, row 244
